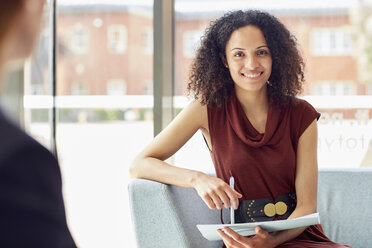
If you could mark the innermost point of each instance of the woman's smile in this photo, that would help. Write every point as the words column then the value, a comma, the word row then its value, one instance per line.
column 252, row 75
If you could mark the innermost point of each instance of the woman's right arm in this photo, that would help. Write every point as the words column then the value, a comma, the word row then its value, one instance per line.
column 150, row 164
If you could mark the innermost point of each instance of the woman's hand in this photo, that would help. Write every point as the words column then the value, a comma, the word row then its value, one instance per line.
column 215, row 192
column 262, row 239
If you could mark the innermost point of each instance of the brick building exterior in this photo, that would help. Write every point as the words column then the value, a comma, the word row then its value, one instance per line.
column 108, row 49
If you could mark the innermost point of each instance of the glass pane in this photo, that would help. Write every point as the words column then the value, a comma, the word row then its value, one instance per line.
column 338, row 83
column 37, row 80
column 104, row 87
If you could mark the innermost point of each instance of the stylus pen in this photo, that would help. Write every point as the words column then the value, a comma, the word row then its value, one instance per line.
column 232, row 211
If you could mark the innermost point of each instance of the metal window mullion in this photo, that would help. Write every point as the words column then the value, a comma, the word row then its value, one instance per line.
column 163, row 63
column 53, row 75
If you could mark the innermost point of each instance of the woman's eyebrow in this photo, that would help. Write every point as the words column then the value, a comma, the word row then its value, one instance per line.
column 237, row 48
column 262, row 47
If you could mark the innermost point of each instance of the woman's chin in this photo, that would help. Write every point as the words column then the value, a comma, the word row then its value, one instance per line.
column 251, row 88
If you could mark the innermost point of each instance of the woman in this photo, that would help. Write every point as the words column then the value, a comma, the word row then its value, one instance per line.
column 32, row 210
column 244, row 78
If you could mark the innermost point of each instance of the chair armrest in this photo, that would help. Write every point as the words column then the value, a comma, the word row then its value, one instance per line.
column 155, row 219
column 166, row 216
column 344, row 204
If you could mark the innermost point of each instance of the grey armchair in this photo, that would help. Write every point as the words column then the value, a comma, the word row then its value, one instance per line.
column 166, row 216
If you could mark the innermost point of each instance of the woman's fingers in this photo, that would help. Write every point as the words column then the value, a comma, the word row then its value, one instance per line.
column 261, row 232
column 233, row 197
column 216, row 193
column 236, row 236
column 208, row 201
column 228, row 240
column 216, row 200
column 224, row 198
column 213, row 200
column 228, row 196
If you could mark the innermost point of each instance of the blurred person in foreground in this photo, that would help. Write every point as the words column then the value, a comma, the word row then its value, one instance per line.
column 32, row 212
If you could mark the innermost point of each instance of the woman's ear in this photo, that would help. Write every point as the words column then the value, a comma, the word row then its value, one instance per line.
column 223, row 59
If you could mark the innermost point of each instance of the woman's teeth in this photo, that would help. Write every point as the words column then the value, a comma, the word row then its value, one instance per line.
column 252, row 75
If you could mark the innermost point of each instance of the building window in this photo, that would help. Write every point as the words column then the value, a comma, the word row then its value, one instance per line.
column 97, row 22
column 79, row 69
column 325, row 42
column 117, row 38
column 79, row 88
column 79, row 39
column 116, row 87
column 333, row 88
column 349, row 89
column 37, row 89
column 369, row 89
column 191, row 41
column 148, row 88
column 147, row 40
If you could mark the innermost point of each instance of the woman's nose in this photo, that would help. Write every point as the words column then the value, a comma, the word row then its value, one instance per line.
column 251, row 62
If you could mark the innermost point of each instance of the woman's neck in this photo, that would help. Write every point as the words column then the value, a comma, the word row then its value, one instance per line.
column 256, row 107
column 253, row 103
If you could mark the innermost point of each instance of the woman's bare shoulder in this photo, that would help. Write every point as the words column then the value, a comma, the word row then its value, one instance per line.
column 198, row 112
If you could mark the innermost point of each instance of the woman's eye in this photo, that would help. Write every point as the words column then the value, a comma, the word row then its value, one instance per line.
column 262, row 52
column 238, row 54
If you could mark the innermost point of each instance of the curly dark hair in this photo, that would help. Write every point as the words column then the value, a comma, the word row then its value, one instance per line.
column 211, row 81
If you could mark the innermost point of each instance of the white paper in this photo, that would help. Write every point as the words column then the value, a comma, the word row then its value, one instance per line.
column 245, row 229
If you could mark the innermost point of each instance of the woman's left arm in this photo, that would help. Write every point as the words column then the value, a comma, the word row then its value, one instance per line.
column 306, row 181
column 306, row 190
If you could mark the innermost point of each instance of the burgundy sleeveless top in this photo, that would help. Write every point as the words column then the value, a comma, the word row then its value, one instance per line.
column 263, row 165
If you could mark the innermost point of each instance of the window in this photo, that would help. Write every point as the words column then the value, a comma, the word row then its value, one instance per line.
column 116, row 87
column 327, row 36
column 101, row 110
column 97, row 22
column 147, row 40
column 148, row 87
column 37, row 89
column 117, row 38
column 369, row 89
column 110, row 92
column 331, row 42
column 79, row 39
column 79, row 88
column 79, row 69
column 333, row 88
column 191, row 40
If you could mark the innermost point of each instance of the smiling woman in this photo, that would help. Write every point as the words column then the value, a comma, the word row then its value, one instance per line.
column 214, row 85
column 249, row 62
column 245, row 78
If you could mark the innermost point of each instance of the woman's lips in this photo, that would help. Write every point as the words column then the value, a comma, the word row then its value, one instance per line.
column 252, row 75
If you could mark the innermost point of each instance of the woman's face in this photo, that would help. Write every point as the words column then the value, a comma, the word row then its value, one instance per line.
column 248, row 59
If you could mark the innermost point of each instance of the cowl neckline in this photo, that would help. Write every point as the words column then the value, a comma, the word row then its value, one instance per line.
column 244, row 128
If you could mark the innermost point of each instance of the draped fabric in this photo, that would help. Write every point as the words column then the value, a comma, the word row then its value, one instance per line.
column 263, row 164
